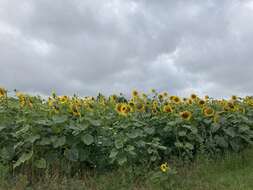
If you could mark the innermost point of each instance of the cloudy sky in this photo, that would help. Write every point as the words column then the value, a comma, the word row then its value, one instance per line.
column 90, row 46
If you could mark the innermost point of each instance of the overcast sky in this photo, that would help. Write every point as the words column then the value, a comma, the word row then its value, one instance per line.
column 91, row 46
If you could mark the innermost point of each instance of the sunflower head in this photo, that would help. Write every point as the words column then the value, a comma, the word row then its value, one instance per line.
column 201, row 102
column 140, row 106
column 206, row 97
column 63, row 99
column 160, row 97
column 164, row 167
column 154, row 110
column 176, row 100
column 186, row 115
column 234, row 97
column 3, row 92
column 194, row 96
column 208, row 112
column 135, row 93
column 189, row 101
column 118, row 107
column 167, row 109
column 165, row 94
column 125, row 109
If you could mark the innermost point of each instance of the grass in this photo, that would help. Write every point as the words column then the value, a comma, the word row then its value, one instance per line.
column 231, row 172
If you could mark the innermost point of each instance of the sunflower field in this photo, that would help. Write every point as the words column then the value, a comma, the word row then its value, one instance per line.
column 71, row 134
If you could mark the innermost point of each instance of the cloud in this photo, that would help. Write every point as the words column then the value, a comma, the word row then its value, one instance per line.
column 86, row 47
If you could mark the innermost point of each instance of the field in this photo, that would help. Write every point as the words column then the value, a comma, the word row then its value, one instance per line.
column 147, row 141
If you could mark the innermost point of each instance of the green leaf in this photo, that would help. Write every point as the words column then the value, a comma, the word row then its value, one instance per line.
column 122, row 160
column 58, row 142
column 95, row 123
column 7, row 153
column 230, row 132
column 119, row 144
column 41, row 163
column 87, row 139
column 32, row 139
column 2, row 127
column 58, row 119
column 221, row 141
column 72, row 154
column 182, row 133
column 149, row 130
column 45, row 141
column 189, row 146
column 23, row 158
column 113, row 153
column 215, row 127
column 129, row 148
column 179, row 144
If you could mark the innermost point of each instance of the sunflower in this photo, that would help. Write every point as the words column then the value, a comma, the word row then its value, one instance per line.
column 125, row 109
column 201, row 102
column 167, row 109
column 194, row 96
column 154, row 110
column 155, row 103
column 131, row 104
column 160, row 97
column 164, row 167
column 189, row 101
column 186, row 115
column 63, row 99
column 135, row 93
column 3, row 92
column 140, row 107
column 152, row 90
column 176, row 100
column 75, row 111
column 113, row 98
column 118, row 107
column 208, row 112
column 165, row 94
column 234, row 97
column 22, row 100
column 206, row 97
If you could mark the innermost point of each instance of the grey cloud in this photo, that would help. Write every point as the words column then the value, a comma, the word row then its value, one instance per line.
column 111, row 46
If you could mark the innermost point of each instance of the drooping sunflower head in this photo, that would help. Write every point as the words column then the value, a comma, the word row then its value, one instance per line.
column 140, row 106
column 186, row 115
column 164, row 167
column 118, row 107
column 75, row 110
column 189, row 101
column 3, row 92
column 167, row 109
column 208, row 112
